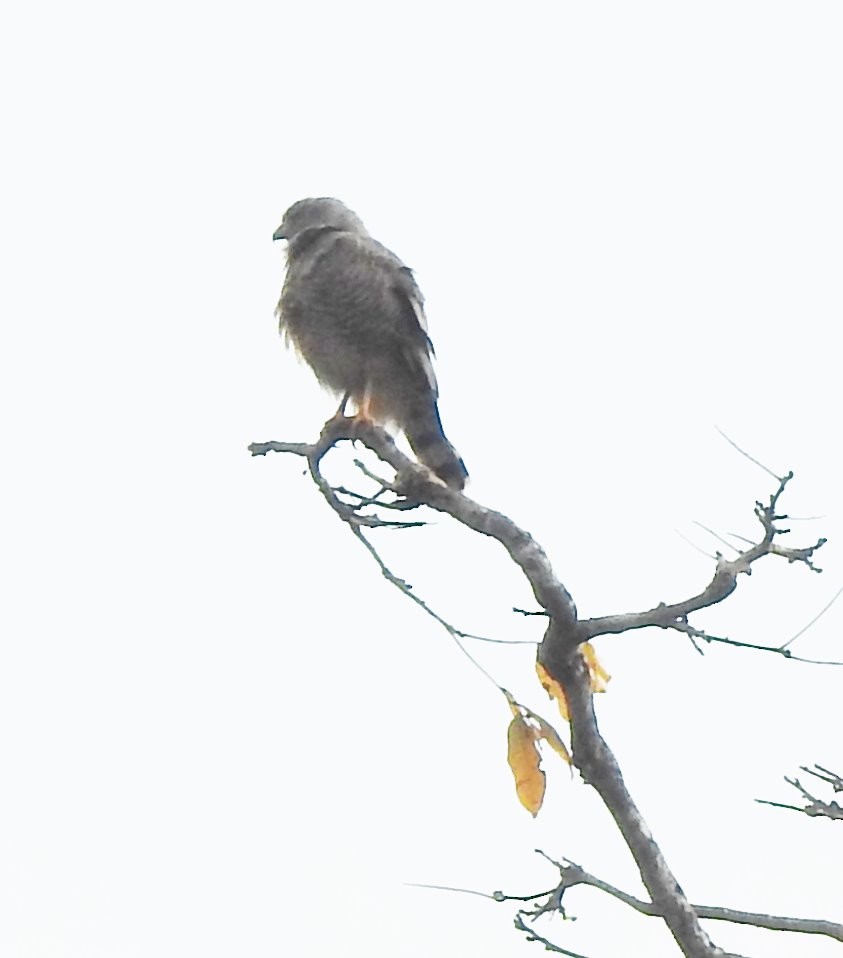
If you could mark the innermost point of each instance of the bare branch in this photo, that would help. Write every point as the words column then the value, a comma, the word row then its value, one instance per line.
column 815, row 807
column 533, row 935
column 495, row 895
column 818, row 616
column 723, row 583
column 418, row 484
column 572, row 874
column 334, row 430
column 746, row 455
column 717, row 536
column 559, row 650
column 384, row 485
column 314, row 453
column 461, row 891
column 832, row 778
column 765, row 801
column 693, row 545
column 781, row 650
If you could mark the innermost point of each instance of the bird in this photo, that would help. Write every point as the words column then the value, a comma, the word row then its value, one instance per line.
column 352, row 310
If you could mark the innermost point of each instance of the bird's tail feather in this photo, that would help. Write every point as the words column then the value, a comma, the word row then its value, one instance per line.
column 424, row 432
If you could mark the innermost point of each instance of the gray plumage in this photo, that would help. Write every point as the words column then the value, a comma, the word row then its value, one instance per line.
column 354, row 312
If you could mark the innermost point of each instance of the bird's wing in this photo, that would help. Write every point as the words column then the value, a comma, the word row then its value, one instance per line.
column 408, row 310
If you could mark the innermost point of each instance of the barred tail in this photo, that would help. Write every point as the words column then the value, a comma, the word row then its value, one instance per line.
column 424, row 432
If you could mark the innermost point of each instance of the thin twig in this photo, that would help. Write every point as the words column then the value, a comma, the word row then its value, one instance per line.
column 693, row 545
column 816, row 807
column 495, row 896
column 816, row 618
column 461, row 891
column 533, row 935
column 736, row 535
column 717, row 536
column 826, row 775
column 573, row 874
column 792, row 808
column 404, row 587
column 723, row 583
column 687, row 629
column 746, row 455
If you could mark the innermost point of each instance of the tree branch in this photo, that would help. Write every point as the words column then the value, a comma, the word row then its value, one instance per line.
column 723, row 582
column 816, row 807
column 781, row 650
column 533, row 935
column 572, row 874
column 559, row 649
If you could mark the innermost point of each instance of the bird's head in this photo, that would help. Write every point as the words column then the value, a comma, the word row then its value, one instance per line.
column 315, row 214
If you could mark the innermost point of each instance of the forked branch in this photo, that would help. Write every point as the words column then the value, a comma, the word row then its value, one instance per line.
column 564, row 633
column 571, row 875
column 814, row 807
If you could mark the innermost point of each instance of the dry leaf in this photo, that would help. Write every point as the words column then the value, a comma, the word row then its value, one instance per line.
column 598, row 675
column 553, row 739
column 598, row 678
column 554, row 690
column 514, row 707
column 524, row 760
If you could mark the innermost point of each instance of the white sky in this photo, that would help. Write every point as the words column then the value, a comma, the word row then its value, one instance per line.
column 221, row 732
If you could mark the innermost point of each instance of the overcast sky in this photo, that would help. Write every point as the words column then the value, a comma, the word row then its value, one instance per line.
column 222, row 733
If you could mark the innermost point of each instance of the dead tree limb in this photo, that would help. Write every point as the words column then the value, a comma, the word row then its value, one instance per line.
column 814, row 807
column 559, row 651
column 572, row 875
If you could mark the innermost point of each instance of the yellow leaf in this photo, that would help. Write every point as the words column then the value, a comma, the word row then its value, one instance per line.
column 514, row 707
column 598, row 675
column 524, row 760
column 598, row 678
column 553, row 739
column 554, row 690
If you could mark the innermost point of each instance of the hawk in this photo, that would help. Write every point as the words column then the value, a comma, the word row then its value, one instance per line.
column 353, row 311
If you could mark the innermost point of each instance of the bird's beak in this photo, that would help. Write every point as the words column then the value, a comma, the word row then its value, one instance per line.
column 279, row 233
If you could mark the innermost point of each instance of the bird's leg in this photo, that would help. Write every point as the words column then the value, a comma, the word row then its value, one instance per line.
column 340, row 413
column 335, row 423
column 364, row 408
column 364, row 416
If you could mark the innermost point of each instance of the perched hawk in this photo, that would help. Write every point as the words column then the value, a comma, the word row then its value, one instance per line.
column 354, row 312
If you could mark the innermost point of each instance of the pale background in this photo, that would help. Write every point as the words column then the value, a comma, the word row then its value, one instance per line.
column 221, row 732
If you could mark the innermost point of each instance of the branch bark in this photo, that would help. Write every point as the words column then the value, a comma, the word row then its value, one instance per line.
column 565, row 632
column 572, row 875
column 816, row 807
